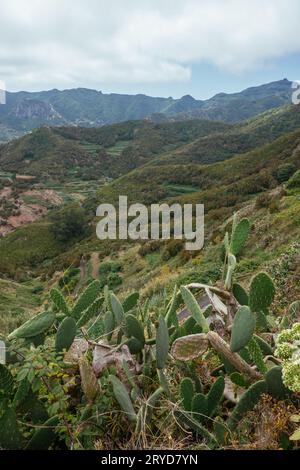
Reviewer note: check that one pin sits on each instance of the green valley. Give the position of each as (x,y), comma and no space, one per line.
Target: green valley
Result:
(188,349)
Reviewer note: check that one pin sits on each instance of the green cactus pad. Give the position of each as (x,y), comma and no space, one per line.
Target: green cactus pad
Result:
(162,343)
(276,387)
(131,302)
(187,392)
(134,345)
(10,436)
(117,309)
(194,308)
(267,350)
(65,334)
(200,407)
(35,326)
(109,322)
(240,294)
(257,355)
(59,301)
(221,431)
(262,293)
(171,316)
(294,309)
(215,395)
(123,398)
(91,293)
(243,329)
(240,236)
(91,312)
(247,402)
(45,436)
(134,328)
(22,392)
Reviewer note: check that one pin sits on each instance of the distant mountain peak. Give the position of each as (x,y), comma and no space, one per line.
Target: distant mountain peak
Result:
(187,98)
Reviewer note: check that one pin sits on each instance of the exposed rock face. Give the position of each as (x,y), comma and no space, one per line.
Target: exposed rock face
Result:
(35,109)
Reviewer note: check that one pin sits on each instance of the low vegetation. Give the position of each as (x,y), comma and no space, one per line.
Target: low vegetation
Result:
(82,371)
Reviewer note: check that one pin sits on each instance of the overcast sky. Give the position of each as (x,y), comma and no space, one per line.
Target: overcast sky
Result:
(158,47)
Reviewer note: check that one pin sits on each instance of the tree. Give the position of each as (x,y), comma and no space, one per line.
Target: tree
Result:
(70,224)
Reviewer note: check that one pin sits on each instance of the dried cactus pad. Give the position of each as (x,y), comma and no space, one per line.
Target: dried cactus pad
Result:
(190,347)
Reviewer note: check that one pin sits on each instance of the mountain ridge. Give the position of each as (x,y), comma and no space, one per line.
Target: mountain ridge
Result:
(25,111)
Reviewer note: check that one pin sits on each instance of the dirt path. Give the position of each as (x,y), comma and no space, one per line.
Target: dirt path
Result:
(95,265)
(83,274)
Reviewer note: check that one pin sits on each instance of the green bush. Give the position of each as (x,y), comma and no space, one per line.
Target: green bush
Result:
(294,181)
(70,224)
(285,171)
(110,267)
(172,248)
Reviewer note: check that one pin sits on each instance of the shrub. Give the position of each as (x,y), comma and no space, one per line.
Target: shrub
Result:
(172,248)
(263,200)
(294,181)
(149,247)
(69,224)
(110,267)
(114,280)
(285,171)
(70,277)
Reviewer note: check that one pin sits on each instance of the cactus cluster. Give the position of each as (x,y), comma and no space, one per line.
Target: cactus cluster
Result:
(200,405)
(151,361)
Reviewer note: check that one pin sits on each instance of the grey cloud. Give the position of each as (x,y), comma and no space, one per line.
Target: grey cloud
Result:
(65,43)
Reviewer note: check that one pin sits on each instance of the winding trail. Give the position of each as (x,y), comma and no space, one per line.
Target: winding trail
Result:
(95,265)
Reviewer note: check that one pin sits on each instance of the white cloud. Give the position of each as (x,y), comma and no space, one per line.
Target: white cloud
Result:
(67,43)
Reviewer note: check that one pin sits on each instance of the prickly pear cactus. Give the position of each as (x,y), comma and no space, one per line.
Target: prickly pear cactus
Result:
(240,294)
(35,326)
(243,329)
(187,392)
(247,402)
(188,348)
(117,309)
(91,293)
(262,293)
(92,311)
(65,334)
(239,236)
(59,301)
(215,395)
(134,328)
(123,398)
(45,436)
(131,302)
(194,308)
(162,343)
